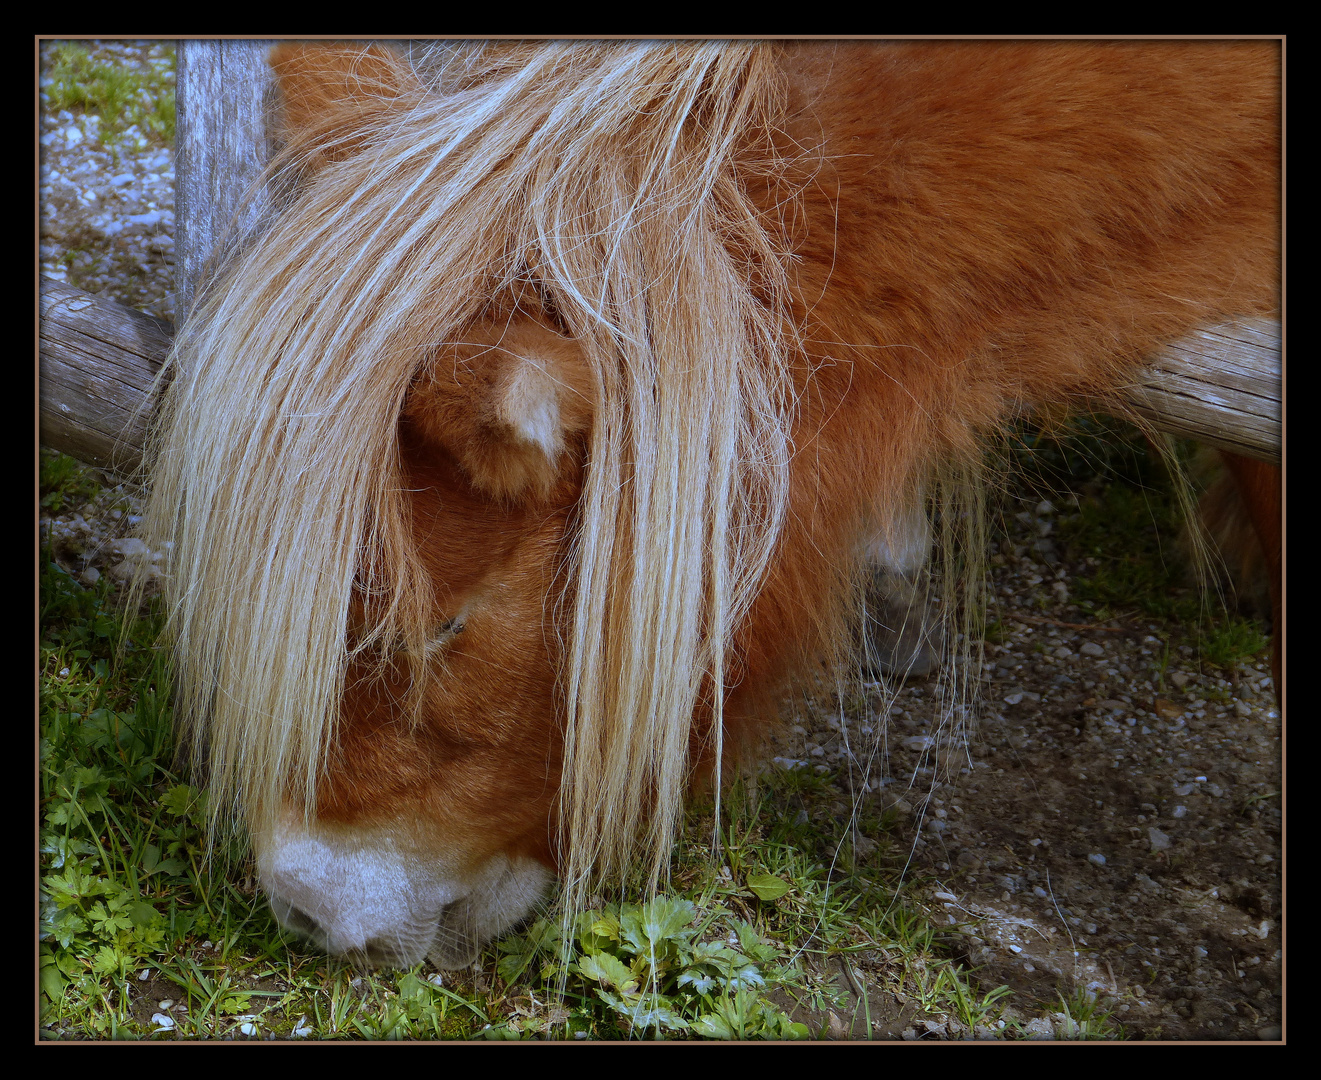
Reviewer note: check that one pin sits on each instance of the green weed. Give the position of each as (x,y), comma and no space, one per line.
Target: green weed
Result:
(657,969)
(74,78)
(1084,1017)
(1232,641)
(62,482)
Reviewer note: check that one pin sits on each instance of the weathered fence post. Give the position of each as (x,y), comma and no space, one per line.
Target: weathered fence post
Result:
(221,147)
(1222,385)
(98,358)
(98,361)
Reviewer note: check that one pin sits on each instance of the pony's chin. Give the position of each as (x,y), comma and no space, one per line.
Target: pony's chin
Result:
(378,900)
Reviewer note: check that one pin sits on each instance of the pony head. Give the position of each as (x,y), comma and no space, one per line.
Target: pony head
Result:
(456,565)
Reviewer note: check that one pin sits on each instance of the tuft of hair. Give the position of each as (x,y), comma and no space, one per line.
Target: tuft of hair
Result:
(411,197)
(1239,561)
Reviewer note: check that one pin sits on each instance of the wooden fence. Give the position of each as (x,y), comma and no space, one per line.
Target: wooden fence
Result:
(98,359)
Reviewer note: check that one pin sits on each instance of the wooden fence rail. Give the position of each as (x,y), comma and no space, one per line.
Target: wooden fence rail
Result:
(98,362)
(99,359)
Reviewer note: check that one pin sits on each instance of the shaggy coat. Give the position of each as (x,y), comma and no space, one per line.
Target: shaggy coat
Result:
(550,424)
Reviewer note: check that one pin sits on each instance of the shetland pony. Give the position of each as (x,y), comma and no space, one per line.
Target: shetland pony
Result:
(555,417)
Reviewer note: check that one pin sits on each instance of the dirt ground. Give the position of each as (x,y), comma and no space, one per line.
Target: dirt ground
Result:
(1110,821)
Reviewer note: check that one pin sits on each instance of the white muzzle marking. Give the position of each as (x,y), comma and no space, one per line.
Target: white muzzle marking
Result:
(381,902)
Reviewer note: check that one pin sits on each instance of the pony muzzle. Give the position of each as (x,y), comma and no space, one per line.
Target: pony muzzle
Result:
(378,899)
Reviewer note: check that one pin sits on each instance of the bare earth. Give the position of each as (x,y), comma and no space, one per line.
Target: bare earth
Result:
(1096,828)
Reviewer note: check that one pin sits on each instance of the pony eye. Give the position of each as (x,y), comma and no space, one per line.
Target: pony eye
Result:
(446,630)
(443,633)
(548,305)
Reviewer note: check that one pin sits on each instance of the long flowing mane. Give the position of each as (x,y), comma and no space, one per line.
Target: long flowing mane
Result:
(606,175)
(628,361)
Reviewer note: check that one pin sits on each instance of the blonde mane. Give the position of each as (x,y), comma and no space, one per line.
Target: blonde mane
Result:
(607,174)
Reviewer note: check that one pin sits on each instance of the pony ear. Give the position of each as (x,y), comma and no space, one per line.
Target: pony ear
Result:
(507,403)
(331,95)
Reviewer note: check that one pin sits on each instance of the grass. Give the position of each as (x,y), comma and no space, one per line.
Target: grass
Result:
(75,78)
(145,937)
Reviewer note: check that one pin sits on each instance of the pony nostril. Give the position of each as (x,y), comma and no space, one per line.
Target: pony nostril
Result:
(299,921)
(376,952)
(379,953)
(455,945)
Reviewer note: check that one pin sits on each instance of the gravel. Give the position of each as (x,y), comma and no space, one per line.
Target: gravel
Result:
(1092,826)
(107,211)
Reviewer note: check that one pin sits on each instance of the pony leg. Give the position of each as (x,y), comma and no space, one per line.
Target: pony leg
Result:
(1259,487)
(901,632)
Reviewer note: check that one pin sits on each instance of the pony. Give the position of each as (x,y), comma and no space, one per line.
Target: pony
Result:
(563,406)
